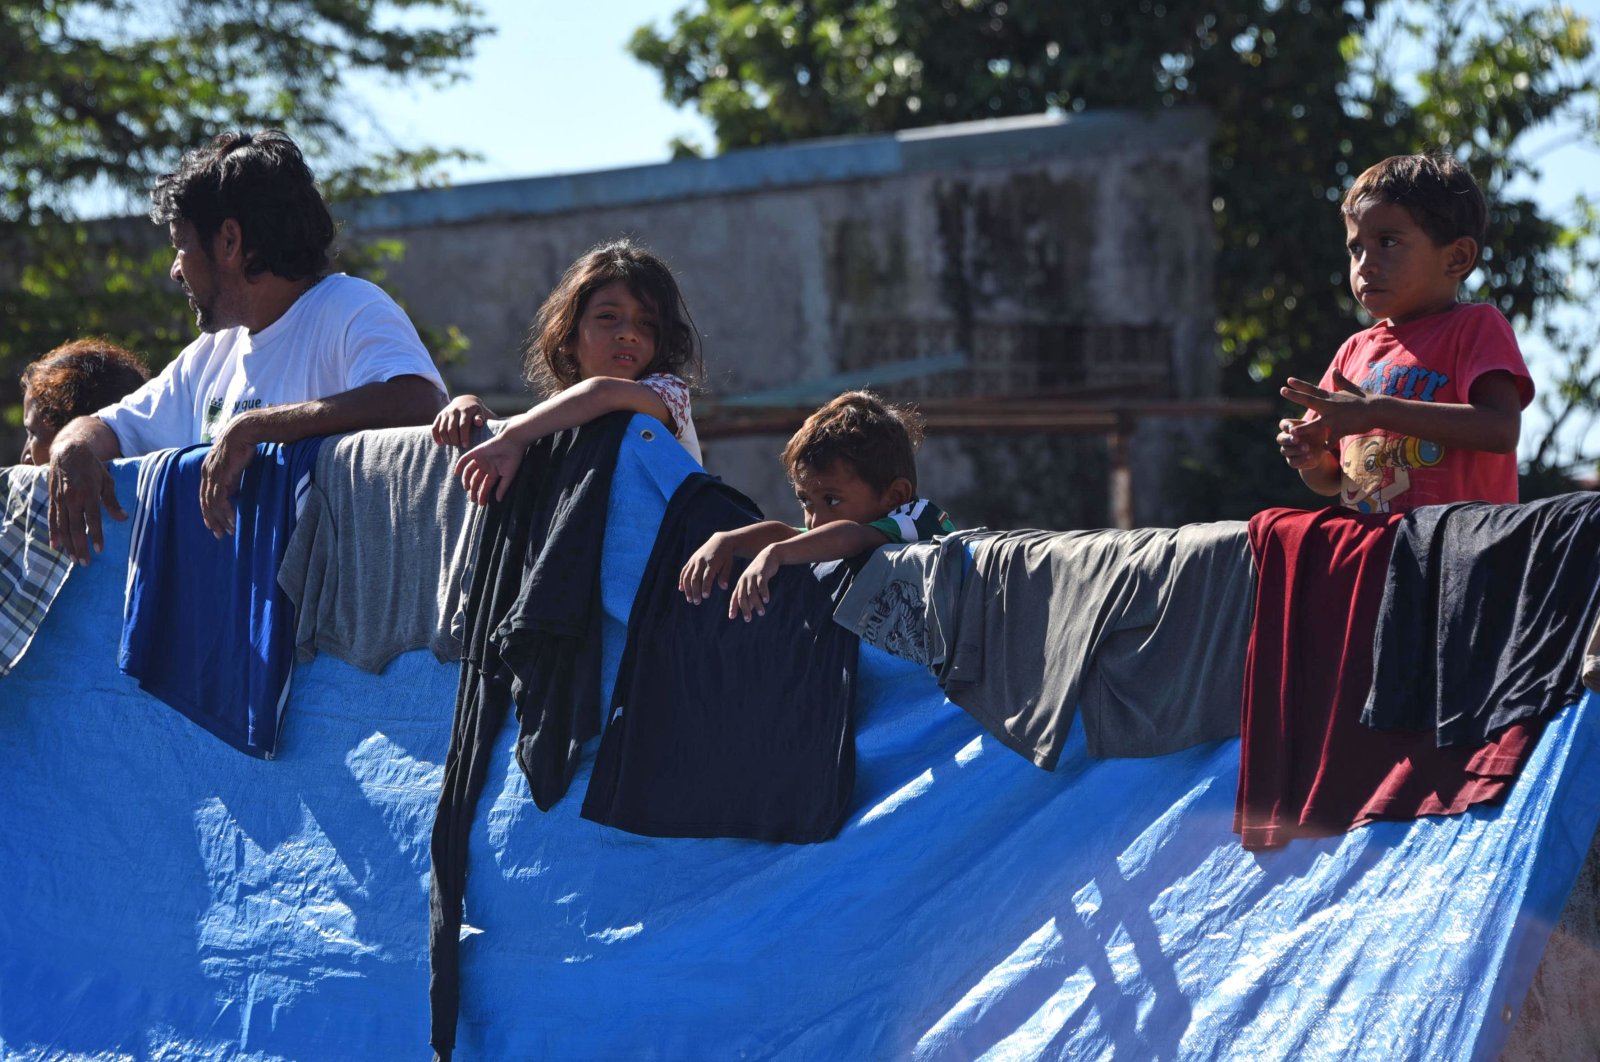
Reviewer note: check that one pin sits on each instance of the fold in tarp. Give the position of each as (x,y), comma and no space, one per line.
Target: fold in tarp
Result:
(164,896)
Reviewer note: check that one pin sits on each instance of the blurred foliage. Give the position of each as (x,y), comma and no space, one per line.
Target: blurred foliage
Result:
(98,97)
(1573,404)
(1306,95)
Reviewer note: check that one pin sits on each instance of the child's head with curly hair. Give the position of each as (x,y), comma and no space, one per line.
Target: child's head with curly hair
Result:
(854,459)
(73,380)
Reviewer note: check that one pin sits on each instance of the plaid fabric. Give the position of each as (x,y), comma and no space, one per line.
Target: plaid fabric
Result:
(30,571)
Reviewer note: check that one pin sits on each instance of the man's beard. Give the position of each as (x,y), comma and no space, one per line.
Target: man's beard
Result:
(205,317)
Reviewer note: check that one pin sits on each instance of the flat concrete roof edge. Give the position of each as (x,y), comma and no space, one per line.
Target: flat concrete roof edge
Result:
(977,144)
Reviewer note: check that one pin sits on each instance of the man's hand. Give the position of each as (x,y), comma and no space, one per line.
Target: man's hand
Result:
(399,402)
(1346,410)
(754,589)
(221,472)
(709,566)
(457,421)
(79,485)
(487,469)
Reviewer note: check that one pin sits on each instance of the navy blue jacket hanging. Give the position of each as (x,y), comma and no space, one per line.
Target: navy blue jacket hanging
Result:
(1486,611)
(722,728)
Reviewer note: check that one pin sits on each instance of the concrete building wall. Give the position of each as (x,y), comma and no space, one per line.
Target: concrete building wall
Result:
(1060,255)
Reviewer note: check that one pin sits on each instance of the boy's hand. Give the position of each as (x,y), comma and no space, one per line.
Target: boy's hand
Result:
(709,566)
(1342,411)
(488,467)
(456,422)
(755,586)
(1302,442)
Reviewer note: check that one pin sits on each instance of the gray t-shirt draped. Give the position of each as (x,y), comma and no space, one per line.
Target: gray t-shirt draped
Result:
(904,599)
(376,563)
(1142,631)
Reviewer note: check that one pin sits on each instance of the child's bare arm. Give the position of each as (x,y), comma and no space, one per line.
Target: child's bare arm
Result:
(583,402)
(487,468)
(1490,420)
(835,541)
(712,561)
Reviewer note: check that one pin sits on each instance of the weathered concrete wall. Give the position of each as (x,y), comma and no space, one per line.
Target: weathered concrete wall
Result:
(1060,255)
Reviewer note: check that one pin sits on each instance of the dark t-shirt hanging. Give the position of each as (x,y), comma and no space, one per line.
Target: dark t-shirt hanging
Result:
(1485,615)
(721,728)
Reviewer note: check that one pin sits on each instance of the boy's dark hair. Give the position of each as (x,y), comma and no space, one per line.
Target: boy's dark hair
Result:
(550,363)
(878,441)
(79,377)
(1436,190)
(261,181)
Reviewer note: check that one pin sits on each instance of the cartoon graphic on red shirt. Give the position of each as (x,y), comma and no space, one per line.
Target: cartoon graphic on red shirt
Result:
(1377,468)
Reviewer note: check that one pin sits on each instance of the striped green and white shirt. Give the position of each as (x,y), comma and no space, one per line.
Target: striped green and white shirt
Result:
(918,520)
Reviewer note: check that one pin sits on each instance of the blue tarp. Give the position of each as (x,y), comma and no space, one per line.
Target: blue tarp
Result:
(164,896)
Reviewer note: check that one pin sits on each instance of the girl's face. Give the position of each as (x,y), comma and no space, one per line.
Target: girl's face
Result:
(616,334)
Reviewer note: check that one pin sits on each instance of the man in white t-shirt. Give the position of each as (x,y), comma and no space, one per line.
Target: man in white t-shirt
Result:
(286,351)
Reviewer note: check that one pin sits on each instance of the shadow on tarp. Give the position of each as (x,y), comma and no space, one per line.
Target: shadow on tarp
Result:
(165,895)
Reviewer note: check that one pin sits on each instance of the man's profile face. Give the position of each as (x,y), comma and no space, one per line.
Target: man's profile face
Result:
(195,270)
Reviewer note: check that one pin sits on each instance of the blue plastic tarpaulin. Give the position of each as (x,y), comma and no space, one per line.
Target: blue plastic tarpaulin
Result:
(165,896)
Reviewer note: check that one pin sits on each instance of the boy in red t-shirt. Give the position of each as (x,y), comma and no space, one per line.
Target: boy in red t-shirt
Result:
(1426,405)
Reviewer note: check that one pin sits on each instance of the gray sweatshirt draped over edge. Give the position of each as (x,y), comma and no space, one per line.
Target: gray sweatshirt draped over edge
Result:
(1142,631)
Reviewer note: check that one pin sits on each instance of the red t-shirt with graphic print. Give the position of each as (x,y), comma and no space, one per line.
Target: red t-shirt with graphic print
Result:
(1431,359)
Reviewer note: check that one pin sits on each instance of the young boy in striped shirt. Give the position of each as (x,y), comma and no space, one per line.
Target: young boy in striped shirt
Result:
(853,466)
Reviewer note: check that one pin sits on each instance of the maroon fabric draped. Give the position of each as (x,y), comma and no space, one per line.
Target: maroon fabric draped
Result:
(1308,767)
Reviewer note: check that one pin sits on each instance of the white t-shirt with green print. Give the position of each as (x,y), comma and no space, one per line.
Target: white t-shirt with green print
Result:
(342,333)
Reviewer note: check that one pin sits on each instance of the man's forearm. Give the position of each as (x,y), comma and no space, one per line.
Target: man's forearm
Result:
(90,432)
(401,402)
(80,485)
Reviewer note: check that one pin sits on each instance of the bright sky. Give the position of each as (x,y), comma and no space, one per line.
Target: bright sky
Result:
(554,91)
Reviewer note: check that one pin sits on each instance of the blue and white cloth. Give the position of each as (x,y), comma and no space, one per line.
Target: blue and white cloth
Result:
(205,625)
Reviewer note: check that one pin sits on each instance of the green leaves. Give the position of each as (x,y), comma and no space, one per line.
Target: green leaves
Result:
(98,97)
(108,93)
